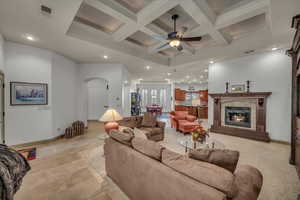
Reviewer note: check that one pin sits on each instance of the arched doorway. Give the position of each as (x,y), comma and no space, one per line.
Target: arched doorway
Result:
(97,98)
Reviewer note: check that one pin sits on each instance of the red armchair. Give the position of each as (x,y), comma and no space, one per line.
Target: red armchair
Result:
(183,122)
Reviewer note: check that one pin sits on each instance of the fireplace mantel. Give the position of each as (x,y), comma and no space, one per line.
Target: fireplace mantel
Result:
(246,94)
(259,132)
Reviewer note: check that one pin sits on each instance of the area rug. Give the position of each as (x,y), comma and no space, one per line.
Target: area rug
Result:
(29,153)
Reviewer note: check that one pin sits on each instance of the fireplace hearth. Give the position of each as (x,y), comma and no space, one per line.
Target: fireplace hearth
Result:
(238,116)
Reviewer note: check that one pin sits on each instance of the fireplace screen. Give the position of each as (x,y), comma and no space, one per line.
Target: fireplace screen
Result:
(238,116)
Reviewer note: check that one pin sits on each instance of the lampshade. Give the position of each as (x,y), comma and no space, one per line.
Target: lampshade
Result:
(110,115)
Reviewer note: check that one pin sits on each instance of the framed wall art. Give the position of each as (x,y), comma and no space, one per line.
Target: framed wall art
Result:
(237,88)
(22,93)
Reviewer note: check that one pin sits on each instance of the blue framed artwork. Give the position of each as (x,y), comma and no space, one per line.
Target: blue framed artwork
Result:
(22,93)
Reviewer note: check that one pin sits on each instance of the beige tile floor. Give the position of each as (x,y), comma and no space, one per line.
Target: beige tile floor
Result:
(74,169)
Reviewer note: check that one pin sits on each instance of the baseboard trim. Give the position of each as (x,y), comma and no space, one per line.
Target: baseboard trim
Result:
(35,143)
(280,142)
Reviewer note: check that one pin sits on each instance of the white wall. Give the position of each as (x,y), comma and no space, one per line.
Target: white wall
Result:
(268,72)
(126,96)
(64,93)
(197,86)
(33,123)
(1,53)
(110,72)
(27,123)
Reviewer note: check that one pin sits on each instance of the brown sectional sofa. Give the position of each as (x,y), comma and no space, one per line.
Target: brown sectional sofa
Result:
(156,133)
(144,170)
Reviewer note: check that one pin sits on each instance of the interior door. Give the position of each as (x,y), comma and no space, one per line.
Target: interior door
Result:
(2,135)
(297,145)
(97,99)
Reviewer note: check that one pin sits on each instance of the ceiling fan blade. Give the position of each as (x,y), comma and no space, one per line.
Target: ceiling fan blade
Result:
(159,37)
(172,35)
(190,39)
(162,46)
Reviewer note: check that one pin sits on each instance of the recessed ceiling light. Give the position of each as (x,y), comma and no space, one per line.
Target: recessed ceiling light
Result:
(105,57)
(169,74)
(274,48)
(140,79)
(211,62)
(206,70)
(201,76)
(148,67)
(30,37)
(187,76)
(125,82)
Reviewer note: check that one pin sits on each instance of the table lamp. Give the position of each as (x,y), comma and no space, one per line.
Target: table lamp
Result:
(110,117)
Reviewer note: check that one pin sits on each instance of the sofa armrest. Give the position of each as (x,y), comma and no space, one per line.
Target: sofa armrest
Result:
(249,182)
(191,118)
(161,124)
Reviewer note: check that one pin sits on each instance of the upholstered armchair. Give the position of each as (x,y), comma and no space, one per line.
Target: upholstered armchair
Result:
(183,122)
(155,133)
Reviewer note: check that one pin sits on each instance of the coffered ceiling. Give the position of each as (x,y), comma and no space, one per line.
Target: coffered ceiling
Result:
(127,30)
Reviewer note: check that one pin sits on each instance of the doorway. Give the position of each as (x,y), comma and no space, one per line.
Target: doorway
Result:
(97,98)
(2,124)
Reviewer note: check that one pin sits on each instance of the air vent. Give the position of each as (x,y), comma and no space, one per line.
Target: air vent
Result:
(249,51)
(46,10)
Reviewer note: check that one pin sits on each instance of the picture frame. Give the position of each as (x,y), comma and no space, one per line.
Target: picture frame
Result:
(23,93)
(238,88)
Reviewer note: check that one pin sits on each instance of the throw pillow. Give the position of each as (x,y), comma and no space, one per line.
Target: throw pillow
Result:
(149,120)
(226,159)
(124,138)
(148,147)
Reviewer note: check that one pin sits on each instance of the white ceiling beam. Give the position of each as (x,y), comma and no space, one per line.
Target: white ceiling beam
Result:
(244,11)
(205,17)
(154,10)
(119,12)
(157,30)
(112,9)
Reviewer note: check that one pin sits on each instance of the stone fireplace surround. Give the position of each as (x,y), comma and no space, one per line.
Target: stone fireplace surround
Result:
(256,101)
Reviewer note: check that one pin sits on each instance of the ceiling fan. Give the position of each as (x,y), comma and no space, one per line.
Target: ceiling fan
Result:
(175,38)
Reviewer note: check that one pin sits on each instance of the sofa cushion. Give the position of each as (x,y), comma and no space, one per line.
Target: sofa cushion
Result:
(128,130)
(249,182)
(128,122)
(140,133)
(148,147)
(139,120)
(122,137)
(226,159)
(191,118)
(152,131)
(203,172)
(149,120)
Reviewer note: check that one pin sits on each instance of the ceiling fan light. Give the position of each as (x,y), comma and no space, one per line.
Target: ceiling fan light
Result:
(175,43)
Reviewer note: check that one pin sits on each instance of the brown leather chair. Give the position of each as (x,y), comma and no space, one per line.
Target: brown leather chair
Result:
(156,133)
(183,122)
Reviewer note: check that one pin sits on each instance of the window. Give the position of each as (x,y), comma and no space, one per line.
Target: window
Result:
(154,99)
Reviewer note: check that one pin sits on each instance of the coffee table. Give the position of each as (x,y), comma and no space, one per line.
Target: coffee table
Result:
(210,143)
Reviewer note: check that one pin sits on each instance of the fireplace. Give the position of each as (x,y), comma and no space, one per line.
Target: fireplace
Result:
(238,116)
(241,114)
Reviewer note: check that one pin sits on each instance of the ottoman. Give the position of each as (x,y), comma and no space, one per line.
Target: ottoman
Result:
(187,126)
